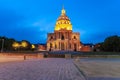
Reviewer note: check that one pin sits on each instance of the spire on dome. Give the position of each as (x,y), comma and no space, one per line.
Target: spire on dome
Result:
(63,12)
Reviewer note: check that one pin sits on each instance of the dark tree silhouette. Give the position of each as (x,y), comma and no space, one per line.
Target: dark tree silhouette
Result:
(8,42)
(112,43)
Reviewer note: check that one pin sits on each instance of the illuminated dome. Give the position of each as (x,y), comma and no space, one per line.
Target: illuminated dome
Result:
(63,22)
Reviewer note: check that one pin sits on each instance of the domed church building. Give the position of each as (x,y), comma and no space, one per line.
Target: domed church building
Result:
(63,37)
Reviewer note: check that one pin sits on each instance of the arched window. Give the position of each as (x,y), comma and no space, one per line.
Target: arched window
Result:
(62,38)
(65,22)
(75,47)
(50,47)
(51,37)
(75,37)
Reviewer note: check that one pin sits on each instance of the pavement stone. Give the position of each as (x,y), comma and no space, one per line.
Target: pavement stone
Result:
(40,69)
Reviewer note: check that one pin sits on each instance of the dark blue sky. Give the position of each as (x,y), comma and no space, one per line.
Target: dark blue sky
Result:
(32,19)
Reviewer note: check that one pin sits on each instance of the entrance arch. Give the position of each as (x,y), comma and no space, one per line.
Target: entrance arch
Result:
(75,47)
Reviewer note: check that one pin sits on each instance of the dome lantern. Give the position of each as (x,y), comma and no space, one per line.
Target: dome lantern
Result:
(63,12)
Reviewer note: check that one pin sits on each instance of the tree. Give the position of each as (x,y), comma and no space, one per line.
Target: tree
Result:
(98,47)
(25,45)
(7,43)
(15,45)
(112,43)
(11,44)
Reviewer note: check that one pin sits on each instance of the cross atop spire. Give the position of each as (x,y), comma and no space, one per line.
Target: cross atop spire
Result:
(63,12)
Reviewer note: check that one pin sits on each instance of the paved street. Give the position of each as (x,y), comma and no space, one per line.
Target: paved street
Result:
(41,69)
(100,68)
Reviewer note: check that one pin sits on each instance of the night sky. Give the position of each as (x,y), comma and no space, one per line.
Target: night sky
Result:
(32,19)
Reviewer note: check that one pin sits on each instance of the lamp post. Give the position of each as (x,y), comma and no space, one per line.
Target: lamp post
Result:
(2,45)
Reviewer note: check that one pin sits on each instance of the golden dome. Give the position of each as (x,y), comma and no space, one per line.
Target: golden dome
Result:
(63,22)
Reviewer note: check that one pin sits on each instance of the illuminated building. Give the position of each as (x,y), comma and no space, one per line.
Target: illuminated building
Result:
(63,37)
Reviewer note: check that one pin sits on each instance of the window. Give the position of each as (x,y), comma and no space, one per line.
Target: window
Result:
(75,47)
(51,37)
(62,38)
(75,38)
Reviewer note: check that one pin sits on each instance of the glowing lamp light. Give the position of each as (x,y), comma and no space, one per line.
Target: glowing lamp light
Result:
(15,45)
(33,46)
(24,44)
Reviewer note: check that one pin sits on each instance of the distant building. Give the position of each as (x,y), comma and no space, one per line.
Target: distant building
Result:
(86,47)
(41,47)
(63,37)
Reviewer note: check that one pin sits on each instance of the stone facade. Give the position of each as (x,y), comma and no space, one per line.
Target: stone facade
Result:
(63,37)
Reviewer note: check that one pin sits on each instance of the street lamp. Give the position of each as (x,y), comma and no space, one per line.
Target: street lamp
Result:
(2,45)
